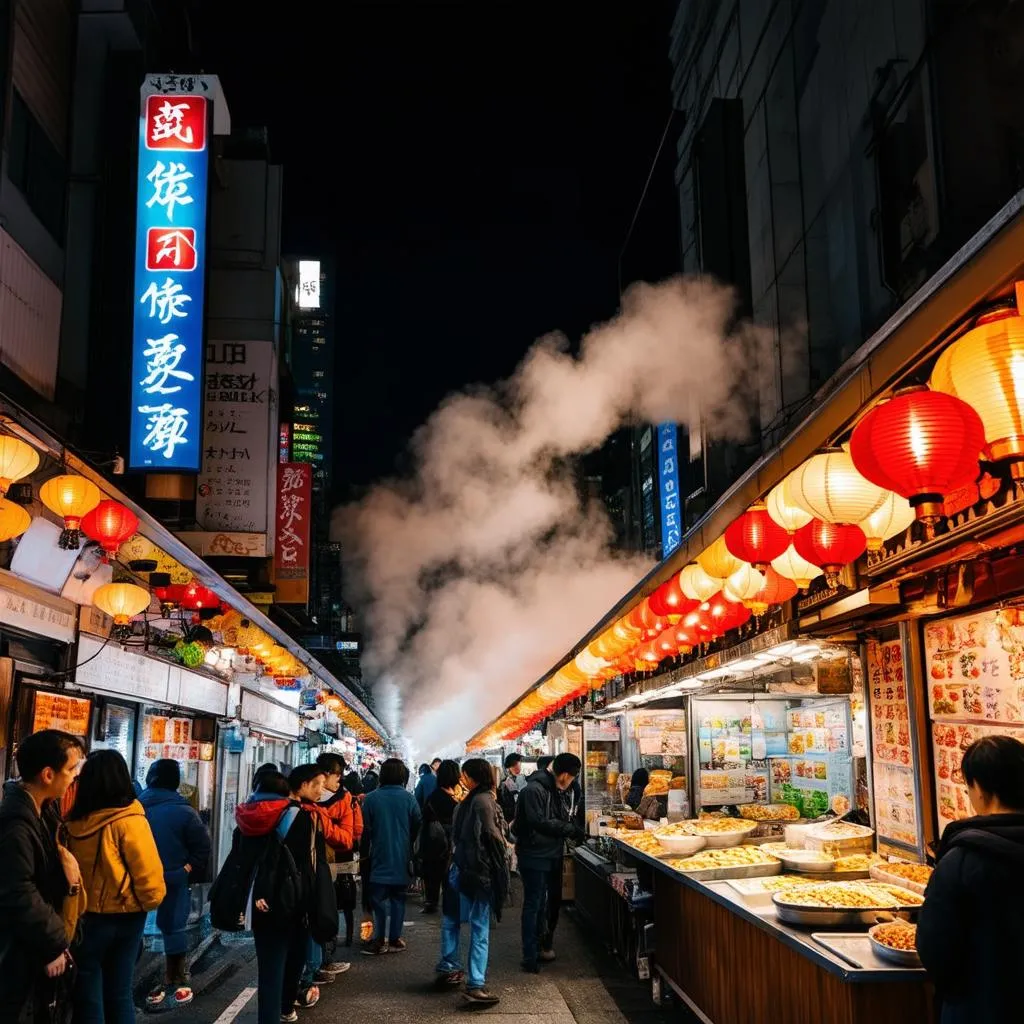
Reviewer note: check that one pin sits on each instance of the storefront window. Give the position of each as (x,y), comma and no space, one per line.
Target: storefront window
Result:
(114,729)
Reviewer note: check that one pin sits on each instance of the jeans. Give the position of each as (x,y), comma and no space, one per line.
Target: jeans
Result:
(316,956)
(540,906)
(172,917)
(478,913)
(106,956)
(280,955)
(387,900)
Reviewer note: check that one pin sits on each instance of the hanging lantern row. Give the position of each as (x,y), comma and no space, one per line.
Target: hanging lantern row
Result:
(914,457)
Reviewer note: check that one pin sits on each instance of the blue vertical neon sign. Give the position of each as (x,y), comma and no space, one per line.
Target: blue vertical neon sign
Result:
(668,488)
(170,240)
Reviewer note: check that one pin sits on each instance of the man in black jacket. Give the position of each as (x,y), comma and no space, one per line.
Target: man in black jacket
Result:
(542,826)
(970,933)
(33,884)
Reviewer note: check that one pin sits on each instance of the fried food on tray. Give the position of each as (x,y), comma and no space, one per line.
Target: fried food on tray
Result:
(919,873)
(715,826)
(849,896)
(857,862)
(769,812)
(781,882)
(732,857)
(897,935)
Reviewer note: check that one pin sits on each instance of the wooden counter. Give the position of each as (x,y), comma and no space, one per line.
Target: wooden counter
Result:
(733,965)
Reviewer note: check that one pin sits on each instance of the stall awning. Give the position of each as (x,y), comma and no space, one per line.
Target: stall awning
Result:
(208,577)
(981,271)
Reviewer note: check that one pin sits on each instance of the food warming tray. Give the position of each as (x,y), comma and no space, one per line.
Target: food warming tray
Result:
(832,917)
(741,871)
(903,957)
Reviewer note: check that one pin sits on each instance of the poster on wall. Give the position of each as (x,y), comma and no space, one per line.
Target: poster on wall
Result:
(58,711)
(975,672)
(891,746)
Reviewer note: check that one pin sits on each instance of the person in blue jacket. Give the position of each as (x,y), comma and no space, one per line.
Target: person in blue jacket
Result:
(184,847)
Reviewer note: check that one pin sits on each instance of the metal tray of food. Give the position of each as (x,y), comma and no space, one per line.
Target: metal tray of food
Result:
(726,873)
(838,917)
(903,957)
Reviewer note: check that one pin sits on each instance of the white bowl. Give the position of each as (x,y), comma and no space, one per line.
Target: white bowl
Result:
(682,844)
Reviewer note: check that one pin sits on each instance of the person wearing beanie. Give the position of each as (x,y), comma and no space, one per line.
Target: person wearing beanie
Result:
(184,847)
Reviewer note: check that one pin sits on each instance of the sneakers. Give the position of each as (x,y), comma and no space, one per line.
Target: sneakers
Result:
(323,977)
(480,997)
(333,967)
(374,949)
(289,1018)
(547,955)
(183,995)
(450,979)
(397,946)
(308,999)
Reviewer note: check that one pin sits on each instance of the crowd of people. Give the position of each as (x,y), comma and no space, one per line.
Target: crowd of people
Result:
(85,855)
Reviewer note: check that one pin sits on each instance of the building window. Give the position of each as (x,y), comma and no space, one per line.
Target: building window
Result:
(36,168)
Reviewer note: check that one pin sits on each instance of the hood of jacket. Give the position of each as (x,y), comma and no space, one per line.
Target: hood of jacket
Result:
(545,780)
(259,815)
(998,836)
(155,797)
(82,828)
(18,804)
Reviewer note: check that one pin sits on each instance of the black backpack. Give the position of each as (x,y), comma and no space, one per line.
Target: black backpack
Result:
(264,866)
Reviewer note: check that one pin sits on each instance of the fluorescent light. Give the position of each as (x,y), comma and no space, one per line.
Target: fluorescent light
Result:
(692,683)
(747,665)
(715,673)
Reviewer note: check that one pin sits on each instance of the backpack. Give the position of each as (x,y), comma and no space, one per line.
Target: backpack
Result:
(508,798)
(263,867)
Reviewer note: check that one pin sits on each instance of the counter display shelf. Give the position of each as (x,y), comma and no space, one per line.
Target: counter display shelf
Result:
(735,963)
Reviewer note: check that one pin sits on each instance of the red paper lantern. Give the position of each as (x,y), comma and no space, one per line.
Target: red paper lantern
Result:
(652,623)
(727,614)
(195,597)
(756,538)
(775,590)
(685,639)
(110,524)
(830,546)
(648,655)
(669,599)
(922,444)
(170,597)
(666,644)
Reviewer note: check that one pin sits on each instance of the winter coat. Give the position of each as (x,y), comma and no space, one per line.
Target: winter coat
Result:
(391,820)
(121,868)
(436,837)
(970,933)
(542,822)
(181,837)
(425,787)
(337,820)
(508,796)
(32,886)
(480,851)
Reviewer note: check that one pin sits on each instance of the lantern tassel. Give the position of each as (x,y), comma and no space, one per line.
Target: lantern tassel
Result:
(70,539)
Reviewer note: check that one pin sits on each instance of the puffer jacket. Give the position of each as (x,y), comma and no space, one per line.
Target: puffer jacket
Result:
(542,822)
(121,868)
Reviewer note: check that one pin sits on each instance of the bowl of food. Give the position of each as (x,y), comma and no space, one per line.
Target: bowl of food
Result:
(681,844)
(896,941)
(720,832)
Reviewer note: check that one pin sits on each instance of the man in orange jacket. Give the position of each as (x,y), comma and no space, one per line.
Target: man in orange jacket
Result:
(337,815)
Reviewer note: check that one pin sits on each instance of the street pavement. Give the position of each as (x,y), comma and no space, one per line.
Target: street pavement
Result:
(584,985)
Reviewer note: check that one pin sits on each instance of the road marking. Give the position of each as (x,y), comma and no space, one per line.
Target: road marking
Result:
(236,1007)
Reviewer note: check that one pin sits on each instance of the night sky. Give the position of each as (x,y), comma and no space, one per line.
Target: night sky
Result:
(474,168)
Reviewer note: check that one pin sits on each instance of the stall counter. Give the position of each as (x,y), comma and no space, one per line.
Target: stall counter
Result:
(735,965)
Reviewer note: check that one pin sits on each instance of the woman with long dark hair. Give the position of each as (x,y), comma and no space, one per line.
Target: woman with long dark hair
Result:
(124,878)
(477,883)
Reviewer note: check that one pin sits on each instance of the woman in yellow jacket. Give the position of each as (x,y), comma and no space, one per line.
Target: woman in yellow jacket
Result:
(108,833)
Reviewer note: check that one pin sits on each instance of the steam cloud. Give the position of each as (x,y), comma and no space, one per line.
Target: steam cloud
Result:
(480,571)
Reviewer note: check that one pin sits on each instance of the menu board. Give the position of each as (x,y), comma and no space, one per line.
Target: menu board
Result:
(734,740)
(58,711)
(892,763)
(975,666)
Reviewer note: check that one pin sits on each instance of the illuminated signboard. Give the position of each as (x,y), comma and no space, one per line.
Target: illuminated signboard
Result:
(284,443)
(668,481)
(170,242)
(309,284)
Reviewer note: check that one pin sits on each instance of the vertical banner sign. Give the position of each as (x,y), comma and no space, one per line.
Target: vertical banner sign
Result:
(232,488)
(170,242)
(291,536)
(668,489)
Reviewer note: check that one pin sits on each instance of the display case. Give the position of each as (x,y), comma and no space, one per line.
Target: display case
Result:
(602,758)
(658,742)
(793,750)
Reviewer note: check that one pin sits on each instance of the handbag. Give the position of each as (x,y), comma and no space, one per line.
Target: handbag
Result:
(345,892)
(77,899)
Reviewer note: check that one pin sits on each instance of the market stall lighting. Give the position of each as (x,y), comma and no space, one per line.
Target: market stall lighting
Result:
(122,602)
(985,368)
(784,511)
(669,600)
(71,497)
(746,665)
(697,584)
(795,567)
(776,589)
(17,461)
(14,520)
(744,584)
(718,561)
(895,516)
(110,524)
(830,487)
(830,546)
(922,444)
(756,538)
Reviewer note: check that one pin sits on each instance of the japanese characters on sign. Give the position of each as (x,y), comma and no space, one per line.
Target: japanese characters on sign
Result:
(232,488)
(167,344)
(309,284)
(668,488)
(292,532)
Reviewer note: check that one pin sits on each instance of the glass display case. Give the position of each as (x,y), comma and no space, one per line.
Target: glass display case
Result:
(602,758)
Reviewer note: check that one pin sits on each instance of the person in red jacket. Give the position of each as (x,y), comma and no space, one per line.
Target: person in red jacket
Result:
(335,811)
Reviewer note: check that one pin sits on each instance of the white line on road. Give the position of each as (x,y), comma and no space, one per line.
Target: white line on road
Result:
(236,1007)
